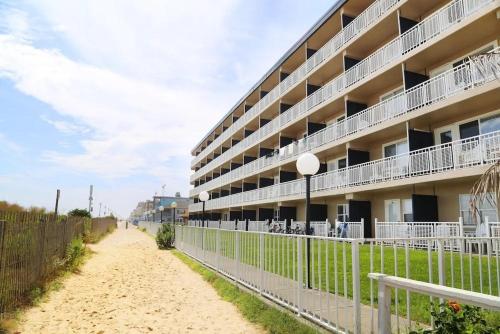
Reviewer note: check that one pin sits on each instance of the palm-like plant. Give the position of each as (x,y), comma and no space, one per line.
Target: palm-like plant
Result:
(487,188)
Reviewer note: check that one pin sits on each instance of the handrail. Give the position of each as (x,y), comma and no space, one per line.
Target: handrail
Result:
(386,282)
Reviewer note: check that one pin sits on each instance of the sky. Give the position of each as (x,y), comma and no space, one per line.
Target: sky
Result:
(117,93)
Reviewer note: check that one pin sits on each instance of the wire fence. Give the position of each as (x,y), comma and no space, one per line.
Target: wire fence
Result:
(33,247)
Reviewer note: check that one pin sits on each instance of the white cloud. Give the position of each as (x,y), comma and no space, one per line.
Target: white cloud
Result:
(9,146)
(139,82)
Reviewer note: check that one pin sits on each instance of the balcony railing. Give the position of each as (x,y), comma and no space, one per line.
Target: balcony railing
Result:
(426,30)
(436,89)
(354,28)
(461,154)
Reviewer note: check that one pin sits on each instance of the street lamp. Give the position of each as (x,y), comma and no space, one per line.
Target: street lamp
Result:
(203,197)
(161,208)
(308,165)
(173,205)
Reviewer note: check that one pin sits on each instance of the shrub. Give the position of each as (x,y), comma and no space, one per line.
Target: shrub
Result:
(452,317)
(165,237)
(74,254)
(79,213)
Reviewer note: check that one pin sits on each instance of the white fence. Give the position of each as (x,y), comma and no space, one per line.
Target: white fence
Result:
(151,227)
(326,286)
(387,283)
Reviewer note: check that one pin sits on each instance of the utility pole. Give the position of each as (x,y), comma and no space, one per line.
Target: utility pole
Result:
(58,194)
(91,199)
(100,204)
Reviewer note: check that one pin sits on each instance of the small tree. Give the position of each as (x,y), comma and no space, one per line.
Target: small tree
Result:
(79,213)
(165,237)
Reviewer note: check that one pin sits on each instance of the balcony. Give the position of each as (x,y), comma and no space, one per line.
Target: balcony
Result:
(394,51)
(458,155)
(450,83)
(364,20)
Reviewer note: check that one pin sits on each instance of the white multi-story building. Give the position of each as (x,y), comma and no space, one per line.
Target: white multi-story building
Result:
(399,99)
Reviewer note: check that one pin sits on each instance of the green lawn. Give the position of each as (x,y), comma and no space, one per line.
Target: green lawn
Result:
(335,259)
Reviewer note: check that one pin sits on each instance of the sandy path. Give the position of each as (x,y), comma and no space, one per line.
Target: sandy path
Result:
(129,286)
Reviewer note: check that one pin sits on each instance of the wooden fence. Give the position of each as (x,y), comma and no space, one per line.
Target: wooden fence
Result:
(101,226)
(33,247)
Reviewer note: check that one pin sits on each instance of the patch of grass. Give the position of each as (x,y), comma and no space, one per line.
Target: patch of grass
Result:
(76,255)
(252,308)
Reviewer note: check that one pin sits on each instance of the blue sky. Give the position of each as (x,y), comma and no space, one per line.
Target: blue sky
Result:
(117,93)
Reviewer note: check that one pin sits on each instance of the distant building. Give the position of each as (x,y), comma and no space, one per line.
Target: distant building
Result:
(150,209)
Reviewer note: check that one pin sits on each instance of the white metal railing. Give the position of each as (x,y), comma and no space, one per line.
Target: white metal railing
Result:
(460,154)
(418,229)
(427,29)
(351,230)
(326,286)
(452,82)
(367,18)
(386,283)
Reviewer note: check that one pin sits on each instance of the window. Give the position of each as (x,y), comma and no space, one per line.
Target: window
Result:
(392,210)
(490,124)
(343,212)
(446,137)
(336,164)
(487,208)
(407,210)
(469,129)
(395,149)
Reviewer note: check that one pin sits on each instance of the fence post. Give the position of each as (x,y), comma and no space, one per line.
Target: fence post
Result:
(384,307)
(356,291)
(3,228)
(237,255)
(327,224)
(300,279)
(261,261)
(441,264)
(218,248)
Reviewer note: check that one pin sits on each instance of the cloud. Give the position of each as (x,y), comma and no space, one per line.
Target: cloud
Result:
(139,83)
(66,127)
(9,146)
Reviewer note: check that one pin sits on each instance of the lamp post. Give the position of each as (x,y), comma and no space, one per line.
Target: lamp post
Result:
(161,208)
(203,197)
(308,165)
(173,205)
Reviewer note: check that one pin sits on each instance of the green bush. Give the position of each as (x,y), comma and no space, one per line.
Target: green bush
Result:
(165,236)
(451,317)
(74,254)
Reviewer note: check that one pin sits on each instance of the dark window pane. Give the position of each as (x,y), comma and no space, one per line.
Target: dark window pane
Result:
(468,130)
(446,137)
(390,151)
(342,163)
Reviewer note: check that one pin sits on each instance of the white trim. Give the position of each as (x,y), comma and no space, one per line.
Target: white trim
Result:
(455,127)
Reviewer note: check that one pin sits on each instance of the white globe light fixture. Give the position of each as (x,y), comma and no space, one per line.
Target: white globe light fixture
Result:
(308,165)
(173,205)
(203,197)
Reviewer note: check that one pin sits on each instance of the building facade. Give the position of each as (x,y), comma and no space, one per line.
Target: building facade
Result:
(400,101)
